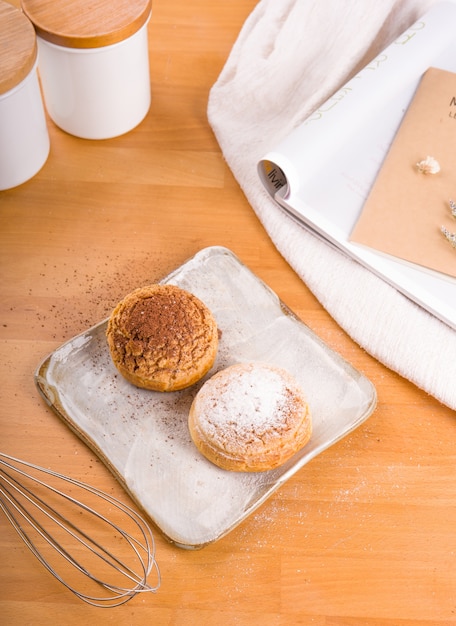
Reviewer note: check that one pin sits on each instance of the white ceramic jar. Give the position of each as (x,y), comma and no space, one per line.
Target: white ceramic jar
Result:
(93,63)
(24,137)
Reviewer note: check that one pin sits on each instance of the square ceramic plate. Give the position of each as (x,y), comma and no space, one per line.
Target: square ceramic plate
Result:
(142,436)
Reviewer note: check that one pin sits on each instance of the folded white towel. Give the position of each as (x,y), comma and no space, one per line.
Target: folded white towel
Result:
(290,56)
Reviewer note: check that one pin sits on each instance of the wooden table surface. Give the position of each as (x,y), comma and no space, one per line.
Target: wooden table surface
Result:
(363,534)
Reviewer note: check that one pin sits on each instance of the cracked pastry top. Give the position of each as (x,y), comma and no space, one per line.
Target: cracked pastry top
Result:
(162,337)
(250,417)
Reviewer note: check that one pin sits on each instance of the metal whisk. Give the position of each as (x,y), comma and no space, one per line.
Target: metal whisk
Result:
(68,535)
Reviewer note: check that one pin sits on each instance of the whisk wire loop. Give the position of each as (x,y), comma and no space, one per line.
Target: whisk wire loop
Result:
(17,500)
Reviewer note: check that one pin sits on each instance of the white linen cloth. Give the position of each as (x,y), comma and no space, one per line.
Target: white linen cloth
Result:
(290,56)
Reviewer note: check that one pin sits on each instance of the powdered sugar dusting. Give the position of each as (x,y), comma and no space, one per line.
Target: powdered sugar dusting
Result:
(252,405)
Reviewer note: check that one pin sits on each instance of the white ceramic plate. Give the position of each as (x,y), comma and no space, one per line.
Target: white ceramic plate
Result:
(142,436)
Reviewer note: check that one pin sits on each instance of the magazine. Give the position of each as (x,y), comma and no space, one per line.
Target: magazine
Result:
(412,197)
(323,172)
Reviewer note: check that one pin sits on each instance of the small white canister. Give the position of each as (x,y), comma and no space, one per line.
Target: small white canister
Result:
(24,137)
(93,63)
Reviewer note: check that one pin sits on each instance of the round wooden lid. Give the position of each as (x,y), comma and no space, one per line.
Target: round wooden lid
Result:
(86,23)
(17,47)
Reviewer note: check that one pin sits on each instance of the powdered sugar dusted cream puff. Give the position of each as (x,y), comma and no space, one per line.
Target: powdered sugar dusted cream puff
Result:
(250,417)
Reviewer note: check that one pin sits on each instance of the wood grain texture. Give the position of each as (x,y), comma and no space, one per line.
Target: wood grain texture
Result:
(82,24)
(365,534)
(18,48)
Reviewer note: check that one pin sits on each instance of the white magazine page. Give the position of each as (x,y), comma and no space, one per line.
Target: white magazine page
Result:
(323,172)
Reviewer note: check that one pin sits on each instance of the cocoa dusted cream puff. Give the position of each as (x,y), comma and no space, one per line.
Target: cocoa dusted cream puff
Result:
(250,417)
(162,337)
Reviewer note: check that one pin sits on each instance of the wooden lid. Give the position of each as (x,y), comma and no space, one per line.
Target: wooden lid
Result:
(86,23)
(17,47)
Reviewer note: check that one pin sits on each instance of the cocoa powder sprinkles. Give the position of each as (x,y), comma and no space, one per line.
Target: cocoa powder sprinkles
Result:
(162,337)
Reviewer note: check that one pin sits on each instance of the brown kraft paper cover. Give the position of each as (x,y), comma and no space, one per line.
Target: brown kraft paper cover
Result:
(406,207)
